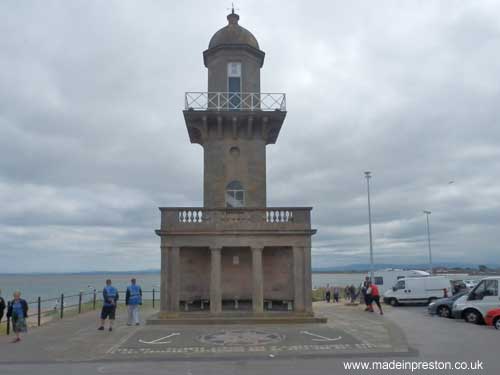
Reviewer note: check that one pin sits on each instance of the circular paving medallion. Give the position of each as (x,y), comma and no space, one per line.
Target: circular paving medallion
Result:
(239,337)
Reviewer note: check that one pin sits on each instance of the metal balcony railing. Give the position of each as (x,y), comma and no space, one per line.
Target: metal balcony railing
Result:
(235,101)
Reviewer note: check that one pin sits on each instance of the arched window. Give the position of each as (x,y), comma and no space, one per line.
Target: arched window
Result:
(235,194)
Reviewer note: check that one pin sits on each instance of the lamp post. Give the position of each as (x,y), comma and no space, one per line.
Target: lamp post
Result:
(427,213)
(368,176)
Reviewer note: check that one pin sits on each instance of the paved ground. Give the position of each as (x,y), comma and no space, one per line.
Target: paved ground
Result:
(444,339)
(74,346)
(350,331)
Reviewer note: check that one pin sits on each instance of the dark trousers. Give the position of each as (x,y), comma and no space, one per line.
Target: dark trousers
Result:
(376,299)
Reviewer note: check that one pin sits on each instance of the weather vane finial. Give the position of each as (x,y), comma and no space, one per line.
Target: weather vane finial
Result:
(232,8)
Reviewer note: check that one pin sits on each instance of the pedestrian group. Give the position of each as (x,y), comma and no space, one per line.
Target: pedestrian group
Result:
(17,308)
(371,294)
(110,296)
(368,290)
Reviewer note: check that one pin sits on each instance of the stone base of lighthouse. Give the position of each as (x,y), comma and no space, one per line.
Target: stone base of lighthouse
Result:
(257,273)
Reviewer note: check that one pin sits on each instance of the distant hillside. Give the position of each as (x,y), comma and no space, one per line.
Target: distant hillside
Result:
(366,267)
(149,271)
(359,267)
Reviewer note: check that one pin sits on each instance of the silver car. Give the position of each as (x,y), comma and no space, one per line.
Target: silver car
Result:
(443,306)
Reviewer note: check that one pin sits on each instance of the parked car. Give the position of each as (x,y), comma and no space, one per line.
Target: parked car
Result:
(474,306)
(418,290)
(443,306)
(492,318)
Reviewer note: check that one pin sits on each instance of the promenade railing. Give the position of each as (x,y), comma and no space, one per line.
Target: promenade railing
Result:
(66,305)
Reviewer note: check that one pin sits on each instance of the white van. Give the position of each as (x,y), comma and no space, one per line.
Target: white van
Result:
(418,290)
(385,279)
(474,306)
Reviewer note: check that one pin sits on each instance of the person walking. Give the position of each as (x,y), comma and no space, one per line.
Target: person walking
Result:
(110,297)
(336,293)
(327,295)
(18,313)
(133,299)
(375,296)
(2,306)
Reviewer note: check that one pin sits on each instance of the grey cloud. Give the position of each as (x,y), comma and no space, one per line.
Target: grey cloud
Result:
(92,137)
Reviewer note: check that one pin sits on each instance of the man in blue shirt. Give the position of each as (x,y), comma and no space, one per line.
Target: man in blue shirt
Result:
(133,299)
(110,297)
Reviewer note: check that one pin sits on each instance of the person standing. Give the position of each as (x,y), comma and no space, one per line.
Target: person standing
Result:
(352,293)
(18,312)
(110,297)
(347,293)
(366,293)
(133,299)
(2,306)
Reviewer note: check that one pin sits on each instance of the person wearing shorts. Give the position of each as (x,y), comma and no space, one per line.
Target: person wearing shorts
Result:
(110,297)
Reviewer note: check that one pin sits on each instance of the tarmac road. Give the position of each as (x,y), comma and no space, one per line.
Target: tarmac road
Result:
(431,338)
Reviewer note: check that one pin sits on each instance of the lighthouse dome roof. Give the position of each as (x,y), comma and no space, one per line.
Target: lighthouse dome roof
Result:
(233,34)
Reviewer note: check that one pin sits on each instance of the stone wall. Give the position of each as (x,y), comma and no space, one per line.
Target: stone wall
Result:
(230,159)
(236,273)
(277,264)
(194,273)
(217,70)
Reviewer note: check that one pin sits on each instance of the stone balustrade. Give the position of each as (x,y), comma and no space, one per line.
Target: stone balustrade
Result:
(193,219)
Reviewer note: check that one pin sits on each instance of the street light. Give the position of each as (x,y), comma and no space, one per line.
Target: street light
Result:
(427,213)
(368,176)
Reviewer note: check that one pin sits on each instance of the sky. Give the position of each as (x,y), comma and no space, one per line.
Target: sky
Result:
(93,141)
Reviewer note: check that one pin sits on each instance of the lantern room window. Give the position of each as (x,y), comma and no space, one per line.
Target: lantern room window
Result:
(234,85)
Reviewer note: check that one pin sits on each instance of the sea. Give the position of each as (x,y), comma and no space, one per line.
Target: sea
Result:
(49,287)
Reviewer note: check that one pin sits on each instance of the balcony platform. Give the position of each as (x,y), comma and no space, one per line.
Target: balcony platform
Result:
(269,220)
(233,115)
(235,101)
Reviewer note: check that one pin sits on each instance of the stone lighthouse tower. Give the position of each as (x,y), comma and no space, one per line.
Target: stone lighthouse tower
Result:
(235,256)
(235,123)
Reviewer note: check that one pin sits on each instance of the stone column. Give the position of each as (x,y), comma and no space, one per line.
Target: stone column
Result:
(215,277)
(298,279)
(173,261)
(163,279)
(258,281)
(307,279)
